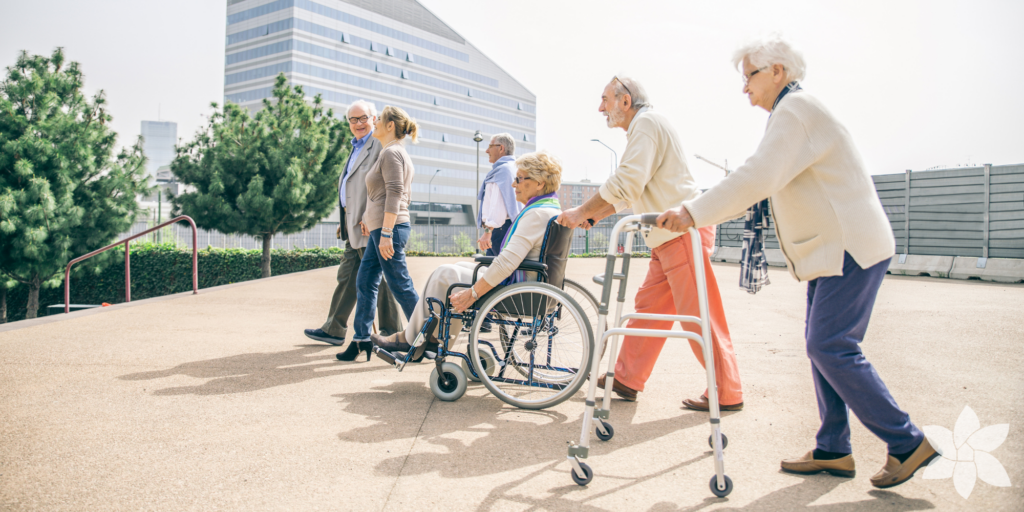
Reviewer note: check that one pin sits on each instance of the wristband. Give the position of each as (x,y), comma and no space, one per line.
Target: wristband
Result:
(386,235)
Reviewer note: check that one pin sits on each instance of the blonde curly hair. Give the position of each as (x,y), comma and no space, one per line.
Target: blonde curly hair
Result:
(543,168)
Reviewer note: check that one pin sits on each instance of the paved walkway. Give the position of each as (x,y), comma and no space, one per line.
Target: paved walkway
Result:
(218,402)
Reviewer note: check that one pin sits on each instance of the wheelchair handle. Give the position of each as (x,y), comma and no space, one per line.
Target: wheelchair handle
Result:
(649,219)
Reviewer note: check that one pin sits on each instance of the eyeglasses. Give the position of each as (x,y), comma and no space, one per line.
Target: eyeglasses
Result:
(492,145)
(629,92)
(518,179)
(746,78)
(358,120)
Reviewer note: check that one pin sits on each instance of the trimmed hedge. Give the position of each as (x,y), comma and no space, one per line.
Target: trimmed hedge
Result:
(163,269)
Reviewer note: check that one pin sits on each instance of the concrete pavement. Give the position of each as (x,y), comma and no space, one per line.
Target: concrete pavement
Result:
(218,402)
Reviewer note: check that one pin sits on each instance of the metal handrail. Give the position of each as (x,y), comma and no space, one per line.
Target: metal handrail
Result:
(127,261)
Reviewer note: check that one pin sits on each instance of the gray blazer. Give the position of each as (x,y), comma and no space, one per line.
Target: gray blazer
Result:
(355,193)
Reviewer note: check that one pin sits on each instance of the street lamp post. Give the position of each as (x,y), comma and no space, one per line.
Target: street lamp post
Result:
(430,208)
(613,153)
(477,138)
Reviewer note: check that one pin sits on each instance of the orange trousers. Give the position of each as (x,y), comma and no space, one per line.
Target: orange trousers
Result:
(671,289)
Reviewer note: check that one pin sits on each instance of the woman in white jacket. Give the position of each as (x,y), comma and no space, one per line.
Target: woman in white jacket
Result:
(835,235)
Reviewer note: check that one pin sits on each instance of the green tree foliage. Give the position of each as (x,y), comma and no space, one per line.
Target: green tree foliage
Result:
(273,172)
(62,193)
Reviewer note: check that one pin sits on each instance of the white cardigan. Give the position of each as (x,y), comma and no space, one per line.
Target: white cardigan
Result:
(823,199)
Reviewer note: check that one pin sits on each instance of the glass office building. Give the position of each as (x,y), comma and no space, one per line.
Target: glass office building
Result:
(158,140)
(388,52)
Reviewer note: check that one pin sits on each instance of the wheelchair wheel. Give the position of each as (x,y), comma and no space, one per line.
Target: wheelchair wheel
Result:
(587,301)
(544,343)
(487,365)
(452,386)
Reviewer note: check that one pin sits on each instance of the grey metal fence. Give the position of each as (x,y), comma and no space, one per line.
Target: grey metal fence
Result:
(973,212)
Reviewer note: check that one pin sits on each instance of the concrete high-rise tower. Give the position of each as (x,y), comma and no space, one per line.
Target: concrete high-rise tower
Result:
(388,52)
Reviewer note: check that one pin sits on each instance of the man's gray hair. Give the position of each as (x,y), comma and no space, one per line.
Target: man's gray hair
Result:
(370,108)
(773,50)
(637,93)
(505,139)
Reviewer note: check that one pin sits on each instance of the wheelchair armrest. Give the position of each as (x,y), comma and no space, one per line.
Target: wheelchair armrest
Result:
(533,266)
(484,260)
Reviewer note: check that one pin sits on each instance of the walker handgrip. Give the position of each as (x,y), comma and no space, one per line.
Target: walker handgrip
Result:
(649,219)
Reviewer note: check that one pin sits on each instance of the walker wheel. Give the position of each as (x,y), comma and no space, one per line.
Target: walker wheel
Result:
(711,441)
(588,475)
(608,427)
(714,486)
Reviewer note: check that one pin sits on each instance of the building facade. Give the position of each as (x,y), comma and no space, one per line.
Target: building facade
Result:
(388,52)
(158,140)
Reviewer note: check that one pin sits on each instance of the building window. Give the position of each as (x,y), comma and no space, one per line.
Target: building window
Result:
(519,106)
(405,74)
(390,52)
(346,38)
(444,137)
(526,138)
(374,47)
(408,57)
(469,93)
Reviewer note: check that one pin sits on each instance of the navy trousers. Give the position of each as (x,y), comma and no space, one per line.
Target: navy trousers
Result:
(838,311)
(497,236)
(371,268)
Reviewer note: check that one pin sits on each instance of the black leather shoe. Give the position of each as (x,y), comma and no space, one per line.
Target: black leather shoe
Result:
(321,335)
(353,350)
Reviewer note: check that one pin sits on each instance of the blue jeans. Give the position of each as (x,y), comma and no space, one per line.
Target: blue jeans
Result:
(838,310)
(368,280)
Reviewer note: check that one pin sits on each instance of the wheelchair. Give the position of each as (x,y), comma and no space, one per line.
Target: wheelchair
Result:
(530,343)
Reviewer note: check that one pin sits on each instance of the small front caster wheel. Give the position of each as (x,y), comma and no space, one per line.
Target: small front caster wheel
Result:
(711,441)
(723,492)
(588,475)
(487,364)
(451,385)
(608,427)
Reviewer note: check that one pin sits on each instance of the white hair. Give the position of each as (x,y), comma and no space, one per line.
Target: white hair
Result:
(505,139)
(370,108)
(622,84)
(773,50)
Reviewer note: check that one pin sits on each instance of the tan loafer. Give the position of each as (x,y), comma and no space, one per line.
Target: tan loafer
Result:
(702,404)
(808,465)
(894,472)
(623,391)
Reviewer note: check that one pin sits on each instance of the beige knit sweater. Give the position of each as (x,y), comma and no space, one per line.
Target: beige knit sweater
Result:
(823,199)
(389,187)
(653,176)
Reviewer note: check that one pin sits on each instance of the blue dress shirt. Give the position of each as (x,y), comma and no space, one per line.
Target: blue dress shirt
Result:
(357,147)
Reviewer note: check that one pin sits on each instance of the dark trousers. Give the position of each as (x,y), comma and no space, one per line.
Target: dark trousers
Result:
(344,299)
(838,310)
(497,236)
(394,269)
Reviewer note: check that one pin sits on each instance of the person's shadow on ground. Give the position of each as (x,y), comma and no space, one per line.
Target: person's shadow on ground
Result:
(251,372)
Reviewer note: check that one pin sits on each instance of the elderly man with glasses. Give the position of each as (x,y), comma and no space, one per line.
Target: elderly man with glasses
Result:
(498,205)
(653,177)
(352,201)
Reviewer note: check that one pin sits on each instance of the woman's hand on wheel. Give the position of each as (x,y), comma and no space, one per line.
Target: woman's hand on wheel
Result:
(462,300)
(386,248)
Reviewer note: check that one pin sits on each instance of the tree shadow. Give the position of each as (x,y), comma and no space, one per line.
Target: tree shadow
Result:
(252,372)
(482,433)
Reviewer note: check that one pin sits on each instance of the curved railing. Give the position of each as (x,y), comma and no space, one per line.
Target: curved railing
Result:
(127,261)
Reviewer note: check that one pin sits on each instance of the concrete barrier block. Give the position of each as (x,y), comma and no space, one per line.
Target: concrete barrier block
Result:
(918,265)
(775,257)
(999,270)
(728,254)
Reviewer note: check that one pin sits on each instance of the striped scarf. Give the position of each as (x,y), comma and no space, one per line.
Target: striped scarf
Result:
(544,201)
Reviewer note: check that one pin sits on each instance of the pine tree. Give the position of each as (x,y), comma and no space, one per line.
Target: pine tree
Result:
(62,193)
(273,172)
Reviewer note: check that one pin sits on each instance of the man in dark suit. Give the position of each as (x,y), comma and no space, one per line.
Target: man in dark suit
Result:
(352,199)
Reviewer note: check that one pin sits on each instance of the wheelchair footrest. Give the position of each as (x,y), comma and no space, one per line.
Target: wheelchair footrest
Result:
(385,355)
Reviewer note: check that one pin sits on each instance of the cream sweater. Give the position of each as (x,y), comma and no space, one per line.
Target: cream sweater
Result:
(653,176)
(823,199)
(524,245)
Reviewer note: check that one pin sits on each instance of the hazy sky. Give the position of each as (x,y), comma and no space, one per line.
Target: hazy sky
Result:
(918,83)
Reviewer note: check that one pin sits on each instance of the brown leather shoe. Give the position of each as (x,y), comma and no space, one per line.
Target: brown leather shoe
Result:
(701,404)
(625,392)
(807,465)
(895,472)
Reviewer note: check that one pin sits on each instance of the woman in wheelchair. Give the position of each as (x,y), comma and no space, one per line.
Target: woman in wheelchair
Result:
(538,177)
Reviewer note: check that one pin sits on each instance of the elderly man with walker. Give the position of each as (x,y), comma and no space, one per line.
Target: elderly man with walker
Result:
(653,177)
(835,235)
